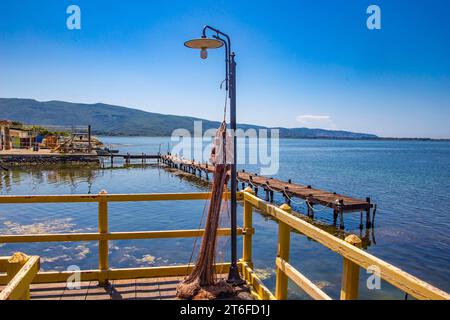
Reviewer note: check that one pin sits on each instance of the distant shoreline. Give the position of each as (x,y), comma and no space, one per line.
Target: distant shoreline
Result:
(302,138)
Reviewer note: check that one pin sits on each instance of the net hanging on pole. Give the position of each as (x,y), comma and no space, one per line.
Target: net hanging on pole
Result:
(202,283)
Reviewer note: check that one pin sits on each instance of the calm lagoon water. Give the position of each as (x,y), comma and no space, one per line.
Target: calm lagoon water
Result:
(409,181)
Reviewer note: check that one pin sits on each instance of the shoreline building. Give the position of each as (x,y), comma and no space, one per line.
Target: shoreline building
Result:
(5,137)
(14,137)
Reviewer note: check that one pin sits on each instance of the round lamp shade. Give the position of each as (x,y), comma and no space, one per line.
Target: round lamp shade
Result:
(203,43)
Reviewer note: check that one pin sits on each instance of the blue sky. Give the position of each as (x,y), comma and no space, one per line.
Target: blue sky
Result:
(300,63)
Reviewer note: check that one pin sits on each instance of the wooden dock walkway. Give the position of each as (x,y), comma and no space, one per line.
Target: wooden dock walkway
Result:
(160,288)
(127,157)
(47,157)
(128,289)
(339,203)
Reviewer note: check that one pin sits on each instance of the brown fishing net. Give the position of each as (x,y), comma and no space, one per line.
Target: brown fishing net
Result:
(202,282)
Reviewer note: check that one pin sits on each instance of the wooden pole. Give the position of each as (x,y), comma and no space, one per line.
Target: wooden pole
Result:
(361,221)
(335,215)
(284,237)
(368,222)
(248,228)
(350,273)
(15,263)
(89,139)
(341,214)
(103,244)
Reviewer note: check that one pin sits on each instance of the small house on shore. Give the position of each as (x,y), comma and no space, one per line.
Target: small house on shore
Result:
(15,137)
(5,138)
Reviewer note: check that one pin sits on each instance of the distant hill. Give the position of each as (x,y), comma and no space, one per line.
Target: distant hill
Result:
(112,120)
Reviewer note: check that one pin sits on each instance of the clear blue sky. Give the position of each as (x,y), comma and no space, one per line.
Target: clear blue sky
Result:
(300,63)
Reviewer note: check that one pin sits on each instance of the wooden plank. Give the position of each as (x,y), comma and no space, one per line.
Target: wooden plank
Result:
(47,291)
(163,196)
(143,289)
(168,287)
(110,197)
(397,277)
(124,273)
(167,234)
(49,198)
(76,293)
(299,279)
(147,289)
(123,289)
(96,292)
(63,237)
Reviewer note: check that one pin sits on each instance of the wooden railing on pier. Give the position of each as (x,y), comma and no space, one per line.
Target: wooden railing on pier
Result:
(103,236)
(20,270)
(338,202)
(354,258)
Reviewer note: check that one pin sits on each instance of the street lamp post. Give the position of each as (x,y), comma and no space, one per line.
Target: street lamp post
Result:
(203,44)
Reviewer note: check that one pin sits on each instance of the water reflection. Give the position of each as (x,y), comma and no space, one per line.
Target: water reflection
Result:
(36,177)
(80,179)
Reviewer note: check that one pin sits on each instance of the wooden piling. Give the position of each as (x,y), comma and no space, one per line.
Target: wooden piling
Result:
(284,238)
(368,220)
(341,214)
(103,244)
(350,273)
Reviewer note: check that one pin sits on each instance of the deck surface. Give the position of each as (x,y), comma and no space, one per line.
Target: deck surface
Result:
(162,288)
(133,289)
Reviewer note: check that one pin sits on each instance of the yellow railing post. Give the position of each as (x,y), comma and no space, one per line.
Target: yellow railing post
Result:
(350,273)
(248,228)
(103,243)
(15,263)
(284,238)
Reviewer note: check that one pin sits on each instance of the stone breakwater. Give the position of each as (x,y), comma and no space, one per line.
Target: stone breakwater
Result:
(36,160)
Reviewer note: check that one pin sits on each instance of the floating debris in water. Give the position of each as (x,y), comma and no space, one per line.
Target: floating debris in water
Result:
(323,284)
(264,273)
(147,258)
(47,226)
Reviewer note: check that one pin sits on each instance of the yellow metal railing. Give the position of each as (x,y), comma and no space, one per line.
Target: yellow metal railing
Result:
(20,270)
(353,257)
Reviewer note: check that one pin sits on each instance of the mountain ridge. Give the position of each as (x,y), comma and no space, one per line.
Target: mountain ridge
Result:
(114,120)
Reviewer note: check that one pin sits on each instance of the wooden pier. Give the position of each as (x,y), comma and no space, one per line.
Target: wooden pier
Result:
(339,203)
(127,157)
(25,157)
